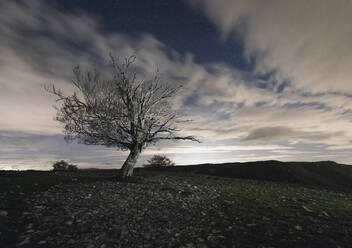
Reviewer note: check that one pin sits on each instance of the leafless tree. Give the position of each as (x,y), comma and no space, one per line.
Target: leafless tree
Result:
(119,111)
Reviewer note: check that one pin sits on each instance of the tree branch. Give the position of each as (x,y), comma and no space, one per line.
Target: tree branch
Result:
(176,138)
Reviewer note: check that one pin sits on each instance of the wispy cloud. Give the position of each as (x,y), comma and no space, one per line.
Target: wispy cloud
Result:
(306,101)
(304,42)
(272,133)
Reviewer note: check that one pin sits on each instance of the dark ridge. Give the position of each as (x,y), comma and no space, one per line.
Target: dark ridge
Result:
(323,174)
(327,174)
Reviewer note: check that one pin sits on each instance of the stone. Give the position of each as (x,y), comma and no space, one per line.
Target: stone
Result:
(69,223)
(212,240)
(127,213)
(3,213)
(325,214)
(147,235)
(251,224)
(298,228)
(71,241)
(190,245)
(29,226)
(307,209)
(26,241)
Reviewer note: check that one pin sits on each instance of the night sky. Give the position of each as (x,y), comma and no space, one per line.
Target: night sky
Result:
(262,79)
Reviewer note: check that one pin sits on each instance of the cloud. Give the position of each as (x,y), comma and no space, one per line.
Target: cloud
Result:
(40,44)
(271,133)
(307,43)
(234,117)
(22,150)
(303,45)
(214,148)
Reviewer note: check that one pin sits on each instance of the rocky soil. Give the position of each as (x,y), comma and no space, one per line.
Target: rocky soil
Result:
(161,212)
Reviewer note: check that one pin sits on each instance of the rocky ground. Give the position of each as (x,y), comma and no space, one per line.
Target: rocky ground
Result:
(92,209)
(162,212)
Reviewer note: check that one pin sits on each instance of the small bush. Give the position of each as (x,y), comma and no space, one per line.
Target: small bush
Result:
(158,161)
(64,166)
(72,167)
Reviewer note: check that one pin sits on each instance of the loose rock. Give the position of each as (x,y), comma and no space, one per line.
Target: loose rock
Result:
(153,214)
(3,213)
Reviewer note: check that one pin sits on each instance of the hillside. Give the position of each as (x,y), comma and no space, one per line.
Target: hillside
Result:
(179,207)
(326,174)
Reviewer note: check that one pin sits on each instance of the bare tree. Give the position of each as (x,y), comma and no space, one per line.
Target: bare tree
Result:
(120,111)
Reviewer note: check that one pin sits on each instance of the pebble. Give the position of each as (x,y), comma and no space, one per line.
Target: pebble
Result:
(298,228)
(154,217)
(27,240)
(190,245)
(3,213)
(29,226)
(307,209)
(71,241)
(69,223)
(325,214)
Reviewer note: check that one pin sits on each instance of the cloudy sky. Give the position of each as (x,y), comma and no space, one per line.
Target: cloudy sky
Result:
(262,79)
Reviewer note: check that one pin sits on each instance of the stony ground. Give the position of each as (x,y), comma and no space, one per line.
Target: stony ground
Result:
(162,212)
(91,209)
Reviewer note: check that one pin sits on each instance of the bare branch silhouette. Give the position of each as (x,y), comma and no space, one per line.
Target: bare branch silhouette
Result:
(120,112)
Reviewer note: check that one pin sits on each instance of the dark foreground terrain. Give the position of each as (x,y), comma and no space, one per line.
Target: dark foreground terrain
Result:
(171,208)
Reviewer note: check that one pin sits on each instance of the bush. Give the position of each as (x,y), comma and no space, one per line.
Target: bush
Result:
(158,161)
(64,166)
(72,167)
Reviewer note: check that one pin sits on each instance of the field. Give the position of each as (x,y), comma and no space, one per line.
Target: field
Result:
(280,211)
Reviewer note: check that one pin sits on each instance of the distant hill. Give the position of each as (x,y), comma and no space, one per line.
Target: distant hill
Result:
(327,174)
(324,174)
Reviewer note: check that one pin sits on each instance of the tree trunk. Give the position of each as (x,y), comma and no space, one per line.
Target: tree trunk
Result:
(127,167)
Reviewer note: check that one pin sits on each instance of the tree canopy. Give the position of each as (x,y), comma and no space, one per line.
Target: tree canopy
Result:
(119,111)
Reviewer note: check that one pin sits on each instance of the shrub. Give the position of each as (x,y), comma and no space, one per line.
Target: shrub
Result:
(159,161)
(64,166)
(72,167)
